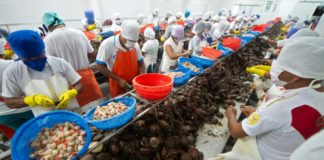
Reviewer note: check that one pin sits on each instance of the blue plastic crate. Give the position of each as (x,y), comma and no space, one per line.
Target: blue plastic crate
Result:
(254,33)
(184,59)
(204,62)
(226,51)
(181,80)
(20,149)
(117,120)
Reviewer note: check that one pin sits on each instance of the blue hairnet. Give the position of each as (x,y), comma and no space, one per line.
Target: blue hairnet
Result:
(26,43)
(187,13)
(90,16)
(50,18)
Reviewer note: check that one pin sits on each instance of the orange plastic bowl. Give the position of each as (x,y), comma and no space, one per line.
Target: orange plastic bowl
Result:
(211,53)
(153,86)
(232,43)
(89,35)
(259,28)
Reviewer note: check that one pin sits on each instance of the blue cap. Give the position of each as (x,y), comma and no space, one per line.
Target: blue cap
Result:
(90,16)
(187,13)
(26,43)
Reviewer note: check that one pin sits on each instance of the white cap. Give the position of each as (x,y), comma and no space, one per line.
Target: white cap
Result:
(206,16)
(172,19)
(156,11)
(303,57)
(300,33)
(179,15)
(140,17)
(295,19)
(198,16)
(130,30)
(117,16)
(177,31)
(215,18)
(168,14)
(149,33)
(208,26)
(199,27)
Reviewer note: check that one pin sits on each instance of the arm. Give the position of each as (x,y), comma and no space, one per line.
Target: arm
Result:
(141,67)
(173,55)
(106,72)
(235,128)
(15,103)
(77,86)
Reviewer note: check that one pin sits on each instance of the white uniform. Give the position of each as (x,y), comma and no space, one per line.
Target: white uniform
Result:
(15,77)
(151,48)
(195,45)
(167,62)
(153,20)
(98,25)
(108,49)
(4,110)
(282,124)
(71,45)
(312,149)
(114,27)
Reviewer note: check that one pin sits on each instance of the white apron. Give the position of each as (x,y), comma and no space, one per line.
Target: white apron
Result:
(52,87)
(244,149)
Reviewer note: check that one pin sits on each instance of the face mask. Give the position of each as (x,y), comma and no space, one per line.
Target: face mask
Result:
(118,22)
(130,44)
(275,72)
(38,64)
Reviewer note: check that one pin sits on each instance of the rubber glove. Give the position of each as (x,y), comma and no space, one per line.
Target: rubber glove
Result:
(253,70)
(66,97)
(9,53)
(38,100)
(236,32)
(263,67)
(162,39)
(92,27)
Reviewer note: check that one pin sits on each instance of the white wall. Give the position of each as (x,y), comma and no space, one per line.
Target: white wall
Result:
(18,14)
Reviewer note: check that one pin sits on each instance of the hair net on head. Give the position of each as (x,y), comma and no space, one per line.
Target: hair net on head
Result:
(50,18)
(215,18)
(300,33)
(26,43)
(295,19)
(155,11)
(187,13)
(117,16)
(130,30)
(206,16)
(208,26)
(199,27)
(177,31)
(140,17)
(168,14)
(172,19)
(179,15)
(90,16)
(149,33)
(198,16)
(303,57)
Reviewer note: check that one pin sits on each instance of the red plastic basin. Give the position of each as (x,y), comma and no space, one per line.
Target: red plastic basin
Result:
(153,86)
(259,28)
(232,43)
(89,35)
(211,53)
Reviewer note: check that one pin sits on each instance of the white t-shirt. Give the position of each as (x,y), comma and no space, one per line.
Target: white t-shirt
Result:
(282,124)
(108,49)
(18,75)
(151,48)
(69,44)
(195,44)
(312,149)
(167,62)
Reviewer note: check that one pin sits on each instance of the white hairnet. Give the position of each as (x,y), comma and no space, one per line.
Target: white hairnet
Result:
(208,26)
(239,18)
(130,30)
(199,27)
(168,14)
(172,19)
(140,17)
(215,18)
(177,31)
(149,33)
(300,33)
(198,16)
(117,16)
(206,16)
(303,57)
(156,11)
(179,15)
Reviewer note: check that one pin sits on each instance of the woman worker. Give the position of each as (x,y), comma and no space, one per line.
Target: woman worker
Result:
(173,49)
(41,82)
(276,128)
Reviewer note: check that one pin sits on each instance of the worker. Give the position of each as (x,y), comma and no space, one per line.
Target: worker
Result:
(120,58)
(207,17)
(197,41)
(198,17)
(150,50)
(41,82)
(179,16)
(188,22)
(312,149)
(117,22)
(90,23)
(173,49)
(106,25)
(171,22)
(140,19)
(154,17)
(276,128)
(11,118)
(164,20)
(73,46)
